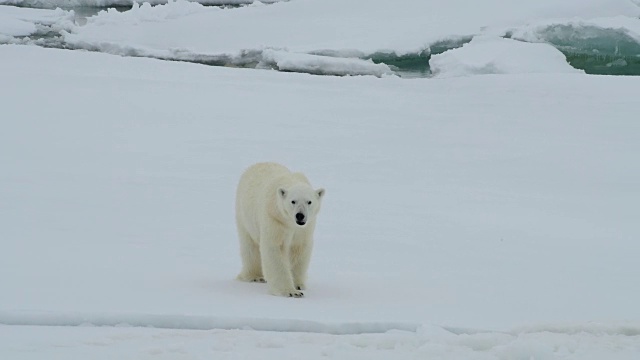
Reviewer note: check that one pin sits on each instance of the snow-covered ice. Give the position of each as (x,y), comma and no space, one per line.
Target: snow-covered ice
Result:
(478,217)
(16,21)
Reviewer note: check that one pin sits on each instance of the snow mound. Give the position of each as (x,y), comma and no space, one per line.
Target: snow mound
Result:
(322,65)
(495,55)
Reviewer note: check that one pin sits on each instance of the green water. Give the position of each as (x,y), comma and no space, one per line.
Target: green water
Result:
(604,64)
(596,50)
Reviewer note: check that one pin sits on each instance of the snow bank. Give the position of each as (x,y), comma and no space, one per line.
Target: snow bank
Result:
(315,25)
(325,26)
(495,55)
(361,30)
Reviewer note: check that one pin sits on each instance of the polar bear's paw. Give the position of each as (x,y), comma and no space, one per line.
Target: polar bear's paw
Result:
(297,294)
(300,287)
(251,278)
(288,293)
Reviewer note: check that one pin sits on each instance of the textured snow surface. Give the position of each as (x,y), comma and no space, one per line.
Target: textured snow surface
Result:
(21,343)
(105,3)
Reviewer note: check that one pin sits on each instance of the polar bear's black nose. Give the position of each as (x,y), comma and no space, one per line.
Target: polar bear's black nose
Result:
(299,217)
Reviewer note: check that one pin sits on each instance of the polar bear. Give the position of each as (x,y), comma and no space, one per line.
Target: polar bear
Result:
(276,216)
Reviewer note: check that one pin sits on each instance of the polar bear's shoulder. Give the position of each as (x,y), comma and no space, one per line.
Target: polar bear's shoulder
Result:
(299,177)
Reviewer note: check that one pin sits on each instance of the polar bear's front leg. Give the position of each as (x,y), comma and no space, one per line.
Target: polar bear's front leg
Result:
(300,257)
(277,269)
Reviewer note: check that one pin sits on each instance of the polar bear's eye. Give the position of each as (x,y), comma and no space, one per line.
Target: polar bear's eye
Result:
(309,203)
(293,202)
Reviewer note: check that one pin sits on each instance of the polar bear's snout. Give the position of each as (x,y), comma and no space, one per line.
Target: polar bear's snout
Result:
(300,219)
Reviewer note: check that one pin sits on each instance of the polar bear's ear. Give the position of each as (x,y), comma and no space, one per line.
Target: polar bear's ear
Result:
(282,192)
(320,192)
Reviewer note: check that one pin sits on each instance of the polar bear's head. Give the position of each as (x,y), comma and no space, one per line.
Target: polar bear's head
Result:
(300,203)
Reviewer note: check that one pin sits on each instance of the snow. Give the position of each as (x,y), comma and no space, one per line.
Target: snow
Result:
(466,217)
(496,55)
(477,217)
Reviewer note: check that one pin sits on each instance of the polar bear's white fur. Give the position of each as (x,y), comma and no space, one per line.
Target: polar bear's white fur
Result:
(276,216)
